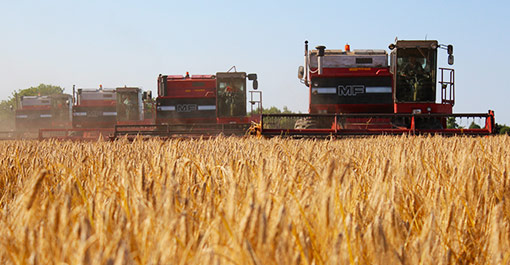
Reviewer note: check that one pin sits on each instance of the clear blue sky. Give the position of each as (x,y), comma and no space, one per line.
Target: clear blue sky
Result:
(117,43)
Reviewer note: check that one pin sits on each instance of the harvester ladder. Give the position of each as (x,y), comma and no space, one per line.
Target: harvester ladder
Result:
(256,102)
(447,83)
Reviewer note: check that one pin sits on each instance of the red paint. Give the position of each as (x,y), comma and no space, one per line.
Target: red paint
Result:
(96,103)
(190,88)
(435,108)
(350,108)
(351,72)
(95,123)
(36,107)
(142,122)
(176,121)
(233,120)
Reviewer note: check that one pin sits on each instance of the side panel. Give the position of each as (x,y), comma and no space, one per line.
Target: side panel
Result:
(435,108)
(33,119)
(185,110)
(94,116)
(350,108)
(345,92)
(185,88)
(185,100)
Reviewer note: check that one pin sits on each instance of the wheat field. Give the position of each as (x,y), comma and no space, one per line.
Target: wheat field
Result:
(380,200)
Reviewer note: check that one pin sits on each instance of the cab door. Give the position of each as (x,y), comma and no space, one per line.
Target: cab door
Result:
(231,94)
(128,106)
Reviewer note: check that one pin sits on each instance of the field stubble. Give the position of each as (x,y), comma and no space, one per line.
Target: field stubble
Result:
(381,200)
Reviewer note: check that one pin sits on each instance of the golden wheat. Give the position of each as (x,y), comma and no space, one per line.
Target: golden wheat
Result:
(380,200)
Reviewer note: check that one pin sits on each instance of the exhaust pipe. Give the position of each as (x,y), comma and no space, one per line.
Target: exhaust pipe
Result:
(320,55)
(306,62)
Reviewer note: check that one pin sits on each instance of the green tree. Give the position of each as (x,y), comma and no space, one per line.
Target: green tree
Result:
(8,106)
(452,124)
(502,129)
(473,125)
(274,110)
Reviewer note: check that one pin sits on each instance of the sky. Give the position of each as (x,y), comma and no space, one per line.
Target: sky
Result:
(117,43)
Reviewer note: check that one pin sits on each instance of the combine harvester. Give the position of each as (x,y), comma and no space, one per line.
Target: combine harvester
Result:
(40,112)
(358,93)
(199,105)
(186,106)
(96,112)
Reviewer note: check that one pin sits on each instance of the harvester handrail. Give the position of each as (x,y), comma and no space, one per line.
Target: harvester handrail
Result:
(383,115)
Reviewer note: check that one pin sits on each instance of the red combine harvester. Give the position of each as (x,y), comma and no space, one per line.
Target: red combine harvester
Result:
(39,112)
(97,111)
(95,108)
(358,93)
(199,105)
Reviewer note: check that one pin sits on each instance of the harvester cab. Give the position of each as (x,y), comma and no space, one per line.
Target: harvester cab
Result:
(414,69)
(62,108)
(129,104)
(231,93)
(415,77)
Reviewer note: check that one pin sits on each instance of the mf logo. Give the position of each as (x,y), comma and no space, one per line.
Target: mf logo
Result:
(351,90)
(186,107)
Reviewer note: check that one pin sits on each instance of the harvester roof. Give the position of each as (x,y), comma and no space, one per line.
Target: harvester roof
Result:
(348,59)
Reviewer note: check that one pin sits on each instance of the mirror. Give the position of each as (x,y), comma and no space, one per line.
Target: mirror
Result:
(147,95)
(301,72)
(450,59)
(252,77)
(255,84)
